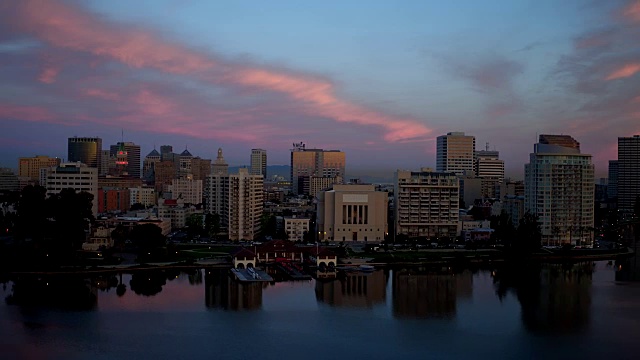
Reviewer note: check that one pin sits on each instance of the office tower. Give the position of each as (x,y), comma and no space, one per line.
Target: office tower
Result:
(200,168)
(76,176)
(352,213)
(105,161)
(454,153)
(628,173)
(237,198)
(185,162)
(307,163)
(8,180)
(220,167)
(29,167)
(165,151)
(118,160)
(489,168)
(559,189)
(87,150)
(612,189)
(259,162)
(187,189)
(426,204)
(132,156)
(148,165)
(163,173)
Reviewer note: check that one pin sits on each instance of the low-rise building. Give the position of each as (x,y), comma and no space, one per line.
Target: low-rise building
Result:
(145,196)
(113,200)
(296,227)
(101,238)
(176,211)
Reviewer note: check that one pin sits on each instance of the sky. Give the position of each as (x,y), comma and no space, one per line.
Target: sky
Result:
(379,80)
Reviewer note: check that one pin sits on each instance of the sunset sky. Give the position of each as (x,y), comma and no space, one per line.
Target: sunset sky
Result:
(379,80)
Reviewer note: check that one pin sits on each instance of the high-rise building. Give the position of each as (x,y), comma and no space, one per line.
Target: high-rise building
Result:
(113,200)
(87,150)
(8,180)
(77,176)
(238,199)
(148,165)
(426,204)
(185,162)
(352,213)
(612,188)
(132,154)
(29,167)
(314,163)
(163,173)
(220,167)
(628,173)
(166,151)
(559,189)
(455,153)
(187,189)
(200,168)
(489,168)
(118,160)
(259,162)
(105,160)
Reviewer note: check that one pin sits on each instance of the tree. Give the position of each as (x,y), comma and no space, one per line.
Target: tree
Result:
(137,206)
(212,224)
(528,233)
(147,237)
(504,231)
(194,224)
(72,213)
(268,226)
(32,215)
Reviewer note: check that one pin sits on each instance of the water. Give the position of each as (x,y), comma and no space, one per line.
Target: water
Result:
(532,312)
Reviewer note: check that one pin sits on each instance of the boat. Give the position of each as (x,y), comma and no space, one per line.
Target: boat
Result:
(366,268)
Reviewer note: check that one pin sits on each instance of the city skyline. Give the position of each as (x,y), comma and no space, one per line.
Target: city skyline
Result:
(374,78)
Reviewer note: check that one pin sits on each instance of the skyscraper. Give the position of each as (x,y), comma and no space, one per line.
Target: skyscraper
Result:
(490,169)
(148,165)
(87,150)
(628,173)
(306,163)
(259,162)
(455,153)
(132,156)
(559,189)
(612,188)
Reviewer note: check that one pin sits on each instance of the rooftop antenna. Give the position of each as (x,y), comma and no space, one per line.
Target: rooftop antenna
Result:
(486,146)
(122,134)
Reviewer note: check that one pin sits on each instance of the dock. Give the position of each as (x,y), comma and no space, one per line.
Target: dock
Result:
(245,275)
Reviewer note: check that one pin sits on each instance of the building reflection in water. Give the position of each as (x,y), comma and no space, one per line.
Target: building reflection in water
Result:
(64,291)
(357,289)
(554,298)
(628,269)
(429,293)
(223,292)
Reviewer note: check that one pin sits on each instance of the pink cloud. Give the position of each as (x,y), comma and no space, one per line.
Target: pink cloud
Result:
(71,28)
(624,71)
(29,113)
(632,11)
(105,95)
(48,75)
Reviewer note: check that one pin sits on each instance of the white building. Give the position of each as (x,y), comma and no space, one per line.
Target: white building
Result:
(176,211)
(259,162)
(559,189)
(187,189)
(238,198)
(296,227)
(77,176)
(426,204)
(490,169)
(352,213)
(455,153)
(142,195)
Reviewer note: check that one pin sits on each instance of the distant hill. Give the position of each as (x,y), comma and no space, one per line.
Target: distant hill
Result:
(280,170)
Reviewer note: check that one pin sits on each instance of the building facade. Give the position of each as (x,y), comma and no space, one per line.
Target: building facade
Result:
(314,163)
(455,153)
(628,173)
(77,176)
(426,204)
(145,196)
(87,150)
(187,189)
(612,187)
(296,228)
(200,168)
(259,162)
(489,168)
(131,153)
(559,189)
(113,200)
(29,167)
(352,213)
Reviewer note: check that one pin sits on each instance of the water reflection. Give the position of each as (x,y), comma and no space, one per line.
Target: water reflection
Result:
(63,291)
(353,289)
(427,293)
(554,298)
(628,269)
(223,292)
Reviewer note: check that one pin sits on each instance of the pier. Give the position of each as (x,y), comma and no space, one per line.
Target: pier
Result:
(251,275)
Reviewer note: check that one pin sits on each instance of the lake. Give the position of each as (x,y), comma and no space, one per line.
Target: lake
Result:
(580,311)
